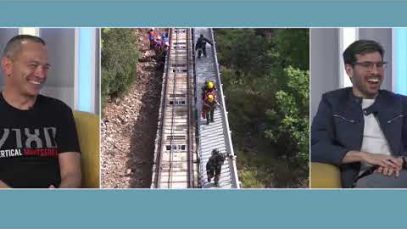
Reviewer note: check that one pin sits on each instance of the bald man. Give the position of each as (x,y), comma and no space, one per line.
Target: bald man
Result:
(38,140)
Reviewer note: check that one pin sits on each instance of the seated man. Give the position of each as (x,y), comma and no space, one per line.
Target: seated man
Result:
(38,141)
(363,130)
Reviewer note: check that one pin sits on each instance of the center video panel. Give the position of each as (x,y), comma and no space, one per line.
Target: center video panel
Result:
(204,108)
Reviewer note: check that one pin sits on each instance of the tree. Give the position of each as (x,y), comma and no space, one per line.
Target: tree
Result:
(289,118)
(265,76)
(292,45)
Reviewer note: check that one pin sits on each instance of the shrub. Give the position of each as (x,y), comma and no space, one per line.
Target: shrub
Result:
(119,58)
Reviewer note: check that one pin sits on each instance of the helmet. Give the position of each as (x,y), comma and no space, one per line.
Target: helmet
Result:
(210,84)
(215,151)
(210,98)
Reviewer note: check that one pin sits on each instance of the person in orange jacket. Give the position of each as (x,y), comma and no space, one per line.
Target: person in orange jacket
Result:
(208,108)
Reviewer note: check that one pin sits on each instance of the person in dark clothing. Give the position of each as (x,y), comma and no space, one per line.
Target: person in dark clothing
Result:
(39,147)
(161,54)
(201,45)
(363,130)
(151,38)
(214,166)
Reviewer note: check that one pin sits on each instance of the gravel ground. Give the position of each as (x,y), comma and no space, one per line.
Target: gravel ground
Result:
(129,126)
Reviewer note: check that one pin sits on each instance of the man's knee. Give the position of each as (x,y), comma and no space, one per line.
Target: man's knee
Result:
(377,180)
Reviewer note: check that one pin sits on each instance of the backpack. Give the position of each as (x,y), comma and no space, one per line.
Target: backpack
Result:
(206,92)
(201,43)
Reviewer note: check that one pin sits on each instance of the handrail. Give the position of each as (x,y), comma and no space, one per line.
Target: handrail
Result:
(225,123)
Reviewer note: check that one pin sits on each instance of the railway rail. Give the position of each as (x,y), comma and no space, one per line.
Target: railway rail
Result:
(175,156)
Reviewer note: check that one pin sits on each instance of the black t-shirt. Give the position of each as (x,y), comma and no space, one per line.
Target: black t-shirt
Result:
(30,141)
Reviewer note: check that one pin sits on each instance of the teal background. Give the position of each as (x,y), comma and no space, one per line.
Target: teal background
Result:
(203,208)
(223,13)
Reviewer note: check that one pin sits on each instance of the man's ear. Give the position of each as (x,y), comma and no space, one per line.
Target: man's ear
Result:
(6,65)
(349,70)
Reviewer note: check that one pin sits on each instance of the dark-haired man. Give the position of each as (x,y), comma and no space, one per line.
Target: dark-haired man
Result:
(363,130)
(38,140)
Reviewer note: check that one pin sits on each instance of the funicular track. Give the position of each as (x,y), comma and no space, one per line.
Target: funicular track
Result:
(184,142)
(175,154)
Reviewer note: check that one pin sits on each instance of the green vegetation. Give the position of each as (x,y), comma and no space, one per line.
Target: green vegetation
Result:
(119,58)
(265,76)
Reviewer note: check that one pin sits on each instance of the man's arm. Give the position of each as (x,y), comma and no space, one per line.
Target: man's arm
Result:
(207,40)
(386,164)
(68,147)
(323,145)
(3,185)
(70,169)
(381,160)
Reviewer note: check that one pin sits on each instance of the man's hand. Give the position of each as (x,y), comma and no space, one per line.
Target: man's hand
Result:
(387,165)
(390,171)
(387,171)
(385,161)
(379,160)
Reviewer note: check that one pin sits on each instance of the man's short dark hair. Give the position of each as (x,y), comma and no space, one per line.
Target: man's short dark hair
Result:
(13,46)
(361,47)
